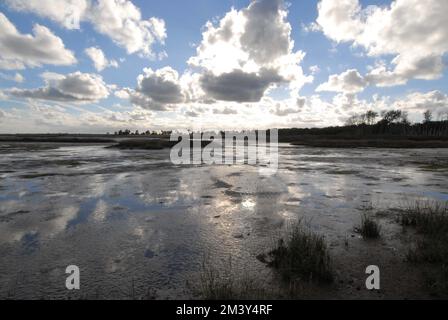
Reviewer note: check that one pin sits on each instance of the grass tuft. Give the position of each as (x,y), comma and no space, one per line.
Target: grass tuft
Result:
(369,228)
(225,285)
(302,255)
(430,220)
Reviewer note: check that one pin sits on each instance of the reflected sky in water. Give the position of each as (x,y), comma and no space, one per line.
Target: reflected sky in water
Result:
(131,218)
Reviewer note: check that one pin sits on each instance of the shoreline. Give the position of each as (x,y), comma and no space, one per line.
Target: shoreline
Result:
(162,142)
(371,143)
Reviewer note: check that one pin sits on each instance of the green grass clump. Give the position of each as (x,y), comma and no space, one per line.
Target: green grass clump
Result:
(430,220)
(369,228)
(302,255)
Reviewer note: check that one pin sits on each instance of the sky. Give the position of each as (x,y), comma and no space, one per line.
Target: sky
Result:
(97,66)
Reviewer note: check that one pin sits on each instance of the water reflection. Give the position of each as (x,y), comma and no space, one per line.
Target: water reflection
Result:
(127,216)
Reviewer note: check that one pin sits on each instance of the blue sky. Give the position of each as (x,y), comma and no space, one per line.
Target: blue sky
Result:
(319,34)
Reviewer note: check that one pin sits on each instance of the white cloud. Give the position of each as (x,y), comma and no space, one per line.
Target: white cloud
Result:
(415,32)
(339,20)
(406,67)
(253,46)
(18,51)
(99,59)
(225,111)
(161,86)
(17,77)
(435,101)
(314,69)
(68,13)
(75,87)
(238,85)
(122,94)
(349,81)
(156,90)
(37,117)
(120,20)
(282,110)
(248,53)
(349,102)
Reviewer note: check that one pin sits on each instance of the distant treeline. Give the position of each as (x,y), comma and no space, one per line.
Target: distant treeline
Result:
(392,123)
(128,132)
(373,124)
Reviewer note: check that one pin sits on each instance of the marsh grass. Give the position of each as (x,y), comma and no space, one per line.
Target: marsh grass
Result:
(369,228)
(428,217)
(302,255)
(430,220)
(225,284)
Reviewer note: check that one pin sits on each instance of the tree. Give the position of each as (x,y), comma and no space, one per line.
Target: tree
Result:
(362,118)
(371,116)
(391,116)
(352,121)
(404,118)
(427,115)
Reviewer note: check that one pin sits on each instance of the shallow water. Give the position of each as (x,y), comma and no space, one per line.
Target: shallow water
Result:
(140,227)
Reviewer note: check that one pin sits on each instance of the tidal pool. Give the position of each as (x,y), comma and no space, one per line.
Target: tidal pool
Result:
(140,227)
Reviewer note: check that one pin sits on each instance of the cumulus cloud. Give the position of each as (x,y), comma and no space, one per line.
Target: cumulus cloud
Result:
(425,68)
(252,46)
(122,93)
(266,35)
(349,102)
(435,101)
(239,86)
(413,31)
(68,13)
(161,86)
(156,90)
(244,56)
(75,87)
(283,110)
(225,111)
(18,51)
(415,103)
(339,20)
(349,81)
(120,20)
(300,101)
(99,59)
(192,114)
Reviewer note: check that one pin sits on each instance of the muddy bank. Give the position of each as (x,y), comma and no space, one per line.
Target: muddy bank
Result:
(135,222)
(54,138)
(146,144)
(370,143)
(156,144)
